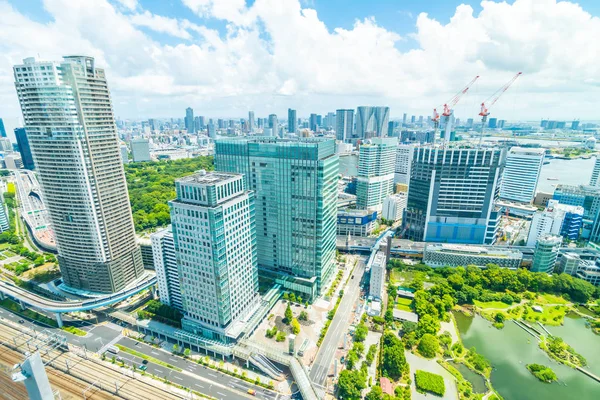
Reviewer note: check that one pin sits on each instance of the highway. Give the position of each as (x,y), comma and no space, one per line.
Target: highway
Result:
(337,329)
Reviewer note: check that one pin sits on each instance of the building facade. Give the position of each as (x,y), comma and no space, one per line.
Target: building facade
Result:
(344,125)
(71,129)
(546,253)
(274,125)
(377,279)
(140,149)
(190,125)
(394,206)
(595,179)
(372,122)
(404,158)
(521,174)
(295,182)
(375,181)
(24,148)
(453,255)
(451,195)
(356,222)
(214,233)
(292,121)
(165,265)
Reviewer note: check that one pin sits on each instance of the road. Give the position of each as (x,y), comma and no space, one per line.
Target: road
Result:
(337,329)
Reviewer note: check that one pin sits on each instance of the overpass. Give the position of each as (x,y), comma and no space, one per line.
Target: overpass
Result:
(25,297)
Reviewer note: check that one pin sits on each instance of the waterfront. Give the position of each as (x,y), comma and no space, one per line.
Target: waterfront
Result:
(511,348)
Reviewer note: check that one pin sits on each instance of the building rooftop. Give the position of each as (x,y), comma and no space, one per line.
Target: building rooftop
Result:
(209,178)
(528,150)
(473,250)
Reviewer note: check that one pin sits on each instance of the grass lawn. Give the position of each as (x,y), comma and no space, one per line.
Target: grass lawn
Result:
(4,246)
(396,276)
(9,254)
(548,298)
(491,304)
(145,357)
(552,315)
(73,330)
(403,304)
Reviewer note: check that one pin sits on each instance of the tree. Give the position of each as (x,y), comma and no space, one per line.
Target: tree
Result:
(393,362)
(429,346)
(295,326)
(360,334)
(175,348)
(427,324)
(499,317)
(289,315)
(350,384)
(187,352)
(292,297)
(375,394)
(303,316)
(286,296)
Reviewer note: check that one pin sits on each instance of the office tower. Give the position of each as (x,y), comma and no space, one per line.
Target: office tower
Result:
(330,121)
(451,195)
(152,124)
(377,279)
(586,196)
(212,131)
(447,127)
(313,122)
(4,223)
(215,244)
(2,129)
(84,191)
(412,119)
(420,120)
(344,125)
(394,206)
(501,123)
(190,124)
(569,263)
(521,174)
(231,124)
(404,119)
(251,125)
(24,149)
(549,221)
(201,123)
(372,122)
(197,125)
(595,179)
(140,149)
(220,123)
(165,265)
(546,253)
(274,124)
(375,181)
(13,161)
(492,123)
(124,154)
(5,145)
(295,183)
(544,123)
(575,125)
(391,128)
(404,158)
(470,123)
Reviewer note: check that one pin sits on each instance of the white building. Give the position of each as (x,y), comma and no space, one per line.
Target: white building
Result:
(77,158)
(215,243)
(404,158)
(165,265)
(375,179)
(13,161)
(394,206)
(569,263)
(549,221)
(595,179)
(377,283)
(521,174)
(140,149)
(124,154)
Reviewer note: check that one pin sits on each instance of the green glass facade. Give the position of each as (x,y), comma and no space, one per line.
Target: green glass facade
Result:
(295,182)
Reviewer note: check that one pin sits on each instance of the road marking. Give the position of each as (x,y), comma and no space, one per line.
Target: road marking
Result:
(213,375)
(222,394)
(200,386)
(177,377)
(174,360)
(158,370)
(153,352)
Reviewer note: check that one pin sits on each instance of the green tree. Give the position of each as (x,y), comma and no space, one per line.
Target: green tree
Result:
(360,334)
(375,394)
(187,352)
(350,384)
(289,315)
(428,324)
(499,317)
(295,326)
(303,316)
(429,346)
(393,362)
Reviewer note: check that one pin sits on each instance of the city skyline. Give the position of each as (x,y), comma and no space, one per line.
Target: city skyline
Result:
(270,83)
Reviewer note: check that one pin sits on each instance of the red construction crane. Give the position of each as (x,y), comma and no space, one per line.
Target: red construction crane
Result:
(492,100)
(449,105)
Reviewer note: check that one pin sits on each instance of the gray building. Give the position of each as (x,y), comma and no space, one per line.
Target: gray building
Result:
(451,195)
(251,124)
(165,265)
(84,191)
(292,121)
(344,125)
(454,255)
(140,149)
(372,122)
(274,125)
(375,181)
(521,174)
(356,222)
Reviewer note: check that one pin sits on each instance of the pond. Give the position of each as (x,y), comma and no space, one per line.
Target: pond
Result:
(510,349)
(478,381)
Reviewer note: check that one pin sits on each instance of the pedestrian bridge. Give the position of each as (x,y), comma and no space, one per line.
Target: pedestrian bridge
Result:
(25,297)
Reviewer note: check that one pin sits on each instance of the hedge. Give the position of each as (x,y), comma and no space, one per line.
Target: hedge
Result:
(428,382)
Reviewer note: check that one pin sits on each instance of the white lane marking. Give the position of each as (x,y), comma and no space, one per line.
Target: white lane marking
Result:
(222,394)
(153,352)
(213,375)
(200,386)
(159,371)
(178,378)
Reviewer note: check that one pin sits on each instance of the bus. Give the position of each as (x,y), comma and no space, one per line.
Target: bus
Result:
(113,349)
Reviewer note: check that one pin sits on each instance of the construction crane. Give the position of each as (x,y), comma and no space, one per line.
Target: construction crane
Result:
(490,101)
(449,105)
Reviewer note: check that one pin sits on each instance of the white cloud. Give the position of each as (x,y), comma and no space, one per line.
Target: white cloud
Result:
(278,54)
(129,4)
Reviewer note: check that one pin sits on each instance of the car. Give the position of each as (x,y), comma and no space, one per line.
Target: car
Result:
(119,359)
(352,277)
(21,321)
(252,392)
(145,362)
(143,367)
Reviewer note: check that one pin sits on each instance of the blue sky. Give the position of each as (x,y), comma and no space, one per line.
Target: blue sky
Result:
(226,57)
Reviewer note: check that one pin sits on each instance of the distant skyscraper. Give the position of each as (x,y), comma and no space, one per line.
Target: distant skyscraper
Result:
(313,126)
(84,191)
(319,120)
(295,183)
(2,128)
(521,174)
(153,124)
(344,125)
(165,265)
(24,149)
(330,121)
(594,180)
(404,159)
(546,253)
(214,235)
(575,125)
(190,125)
(212,131)
(274,124)
(140,149)
(124,154)
(201,123)
(420,120)
(492,123)
(251,121)
(404,119)
(375,179)
(451,195)
(412,119)
(372,122)
(470,123)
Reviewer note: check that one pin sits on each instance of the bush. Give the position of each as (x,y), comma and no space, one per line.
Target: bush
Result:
(543,373)
(280,336)
(303,316)
(360,334)
(270,333)
(295,326)
(428,346)
(428,382)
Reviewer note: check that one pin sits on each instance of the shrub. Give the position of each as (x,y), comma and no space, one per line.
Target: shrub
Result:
(428,382)
(428,346)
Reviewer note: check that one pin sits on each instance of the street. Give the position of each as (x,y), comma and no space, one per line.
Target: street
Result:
(337,329)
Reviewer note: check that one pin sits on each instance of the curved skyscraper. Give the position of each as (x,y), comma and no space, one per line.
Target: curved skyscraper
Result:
(372,122)
(72,133)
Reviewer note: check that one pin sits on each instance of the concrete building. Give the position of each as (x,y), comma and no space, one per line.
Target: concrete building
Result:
(6,145)
(589,271)
(541,198)
(372,122)
(215,242)
(146,250)
(595,179)
(356,222)
(295,182)
(375,179)
(549,221)
(84,191)
(568,263)
(404,158)
(190,125)
(2,129)
(165,265)
(451,195)
(13,161)
(377,279)
(140,149)
(124,154)
(344,125)
(394,206)
(546,253)
(292,121)
(312,123)
(4,222)
(453,255)
(274,124)
(521,174)
(24,148)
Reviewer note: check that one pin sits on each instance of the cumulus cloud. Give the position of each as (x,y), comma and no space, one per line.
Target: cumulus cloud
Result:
(278,53)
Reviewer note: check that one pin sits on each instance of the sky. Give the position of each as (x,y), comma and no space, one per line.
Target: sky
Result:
(226,57)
